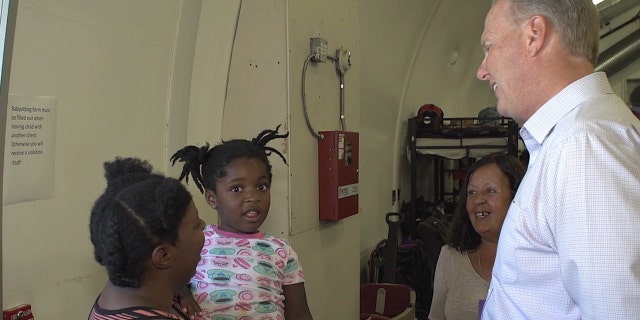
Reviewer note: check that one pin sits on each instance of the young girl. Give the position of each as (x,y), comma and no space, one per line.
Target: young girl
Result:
(243,273)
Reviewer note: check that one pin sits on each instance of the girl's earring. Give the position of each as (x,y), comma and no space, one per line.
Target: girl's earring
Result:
(213,206)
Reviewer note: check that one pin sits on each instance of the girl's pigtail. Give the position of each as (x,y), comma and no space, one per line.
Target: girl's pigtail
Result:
(193,158)
(267,135)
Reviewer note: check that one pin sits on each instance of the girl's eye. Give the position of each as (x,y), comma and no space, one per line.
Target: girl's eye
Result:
(236,189)
(263,187)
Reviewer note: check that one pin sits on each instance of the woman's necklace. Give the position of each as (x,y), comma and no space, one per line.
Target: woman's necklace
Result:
(480,264)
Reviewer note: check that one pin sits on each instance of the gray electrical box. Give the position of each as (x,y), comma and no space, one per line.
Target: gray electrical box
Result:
(319,49)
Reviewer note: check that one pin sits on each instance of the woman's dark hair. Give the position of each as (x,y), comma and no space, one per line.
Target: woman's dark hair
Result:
(206,165)
(634,97)
(137,211)
(461,234)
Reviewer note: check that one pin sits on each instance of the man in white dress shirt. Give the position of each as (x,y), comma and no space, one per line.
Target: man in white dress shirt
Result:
(570,244)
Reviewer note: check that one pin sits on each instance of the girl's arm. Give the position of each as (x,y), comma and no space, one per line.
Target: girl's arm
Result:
(188,304)
(295,302)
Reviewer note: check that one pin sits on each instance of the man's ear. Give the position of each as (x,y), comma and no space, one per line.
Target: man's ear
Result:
(161,257)
(210,197)
(536,32)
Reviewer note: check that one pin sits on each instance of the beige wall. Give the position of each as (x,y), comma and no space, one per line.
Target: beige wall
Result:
(329,250)
(109,69)
(145,77)
(122,78)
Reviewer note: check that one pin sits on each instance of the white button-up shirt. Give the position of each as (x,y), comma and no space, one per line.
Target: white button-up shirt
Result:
(570,244)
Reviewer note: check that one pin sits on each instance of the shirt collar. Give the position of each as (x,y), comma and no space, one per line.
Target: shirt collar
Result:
(537,128)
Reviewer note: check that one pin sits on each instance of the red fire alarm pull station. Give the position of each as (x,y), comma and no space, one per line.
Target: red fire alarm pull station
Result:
(338,174)
(21,312)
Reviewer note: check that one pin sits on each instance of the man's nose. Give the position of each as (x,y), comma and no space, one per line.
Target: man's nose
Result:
(482,73)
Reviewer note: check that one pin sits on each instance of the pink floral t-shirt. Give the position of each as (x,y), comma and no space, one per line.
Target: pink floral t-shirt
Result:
(241,276)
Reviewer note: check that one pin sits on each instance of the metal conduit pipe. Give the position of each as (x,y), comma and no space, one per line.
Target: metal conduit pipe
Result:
(611,9)
(620,54)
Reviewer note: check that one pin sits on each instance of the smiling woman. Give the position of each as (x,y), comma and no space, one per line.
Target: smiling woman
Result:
(464,267)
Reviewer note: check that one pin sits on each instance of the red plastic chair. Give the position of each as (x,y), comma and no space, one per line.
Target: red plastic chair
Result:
(387,301)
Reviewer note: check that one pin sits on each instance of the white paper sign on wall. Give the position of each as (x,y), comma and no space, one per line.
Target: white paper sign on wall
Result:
(29,166)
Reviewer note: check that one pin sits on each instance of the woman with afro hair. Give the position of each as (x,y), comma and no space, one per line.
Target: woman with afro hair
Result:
(146,232)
